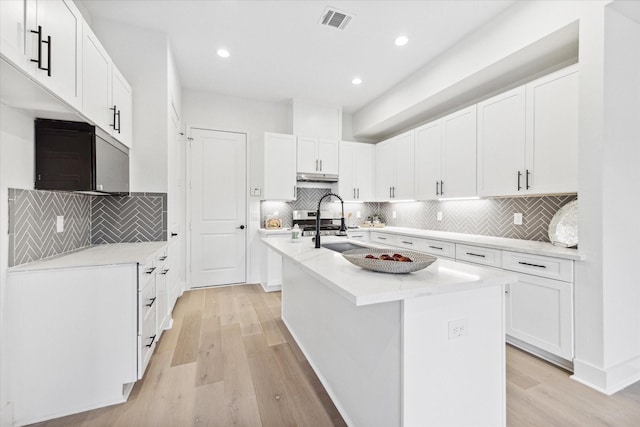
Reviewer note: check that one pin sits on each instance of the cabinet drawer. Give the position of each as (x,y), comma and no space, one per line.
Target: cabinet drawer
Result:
(383,238)
(147,342)
(362,236)
(552,268)
(413,243)
(147,303)
(146,271)
(439,248)
(479,255)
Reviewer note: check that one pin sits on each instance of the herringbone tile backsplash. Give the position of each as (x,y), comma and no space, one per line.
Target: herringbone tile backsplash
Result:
(489,217)
(140,217)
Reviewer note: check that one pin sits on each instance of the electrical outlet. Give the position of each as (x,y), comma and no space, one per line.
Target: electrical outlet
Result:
(255,191)
(517,218)
(439,216)
(60,223)
(275,213)
(393,214)
(458,328)
(358,214)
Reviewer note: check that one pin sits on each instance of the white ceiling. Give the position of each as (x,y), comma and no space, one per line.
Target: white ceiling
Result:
(279,51)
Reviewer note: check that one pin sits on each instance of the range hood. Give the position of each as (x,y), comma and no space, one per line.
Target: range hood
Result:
(317,177)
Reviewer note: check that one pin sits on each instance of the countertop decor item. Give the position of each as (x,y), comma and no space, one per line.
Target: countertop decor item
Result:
(563,228)
(273,223)
(359,257)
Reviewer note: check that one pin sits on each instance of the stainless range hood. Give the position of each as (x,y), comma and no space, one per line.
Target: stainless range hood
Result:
(317,177)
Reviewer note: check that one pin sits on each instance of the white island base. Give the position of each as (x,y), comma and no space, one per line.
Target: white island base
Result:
(402,363)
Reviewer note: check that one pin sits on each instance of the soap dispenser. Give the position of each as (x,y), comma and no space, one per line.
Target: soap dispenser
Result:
(296,233)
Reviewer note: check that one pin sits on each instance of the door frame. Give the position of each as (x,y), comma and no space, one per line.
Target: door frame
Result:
(189,127)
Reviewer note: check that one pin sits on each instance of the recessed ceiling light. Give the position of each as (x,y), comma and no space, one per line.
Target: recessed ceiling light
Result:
(402,40)
(223,53)
(356,80)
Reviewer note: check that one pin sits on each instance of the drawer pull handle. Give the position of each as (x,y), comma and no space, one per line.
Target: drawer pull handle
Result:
(407,243)
(151,270)
(478,255)
(382,238)
(532,265)
(436,247)
(153,339)
(162,258)
(357,235)
(164,271)
(152,301)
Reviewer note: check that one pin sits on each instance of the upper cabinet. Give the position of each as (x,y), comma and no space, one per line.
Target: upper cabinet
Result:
(49,41)
(528,138)
(279,166)
(107,97)
(317,156)
(445,160)
(356,171)
(395,164)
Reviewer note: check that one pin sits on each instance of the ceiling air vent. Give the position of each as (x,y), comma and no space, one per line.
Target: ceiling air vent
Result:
(335,18)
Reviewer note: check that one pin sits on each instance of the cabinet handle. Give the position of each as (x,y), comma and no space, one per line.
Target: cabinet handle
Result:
(519,175)
(294,191)
(162,258)
(389,192)
(316,165)
(39,60)
(358,194)
(435,247)
(118,114)
(442,188)
(507,289)
(320,165)
(152,301)
(164,272)
(153,338)
(48,42)
(407,243)
(151,270)
(478,255)
(174,234)
(114,109)
(357,235)
(437,188)
(526,179)
(532,265)
(354,193)
(381,238)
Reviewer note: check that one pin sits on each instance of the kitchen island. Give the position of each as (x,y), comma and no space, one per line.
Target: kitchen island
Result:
(418,349)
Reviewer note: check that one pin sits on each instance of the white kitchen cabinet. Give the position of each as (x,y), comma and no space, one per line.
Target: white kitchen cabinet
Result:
(54,41)
(162,277)
(428,163)
(395,168)
(122,99)
(96,82)
(552,132)
(356,171)
(528,138)
(13,31)
(317,155)
(360,235)
(539,312)
(279,166)
(459,154)
(501,144)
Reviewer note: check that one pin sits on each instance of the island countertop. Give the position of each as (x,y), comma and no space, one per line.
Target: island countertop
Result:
(363,287)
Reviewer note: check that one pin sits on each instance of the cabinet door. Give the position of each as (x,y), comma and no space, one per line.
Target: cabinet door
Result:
(539,312)
(122,103)
(328,154)
(385,169)
(459,154)
(501,144)
(96,82)
(307,158)
(61,20)
(428,150)
(13,31)
(364,175)
(552,132)
(346,176)
(404,188)
(279,166)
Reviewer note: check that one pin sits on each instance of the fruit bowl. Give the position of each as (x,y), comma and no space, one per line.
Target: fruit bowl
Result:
(418,261)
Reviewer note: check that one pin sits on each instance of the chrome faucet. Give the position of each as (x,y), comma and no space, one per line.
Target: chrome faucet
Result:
(343,228)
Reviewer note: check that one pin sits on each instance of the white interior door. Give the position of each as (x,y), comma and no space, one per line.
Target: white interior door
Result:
(218,207)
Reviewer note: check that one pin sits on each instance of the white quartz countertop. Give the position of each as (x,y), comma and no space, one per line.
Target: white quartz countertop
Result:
(97,255)
(363,287)
(276,231)
(517,245)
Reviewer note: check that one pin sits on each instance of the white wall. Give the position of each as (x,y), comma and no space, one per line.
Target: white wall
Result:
(16,171)
(142,56)
(316,120)
(245,115)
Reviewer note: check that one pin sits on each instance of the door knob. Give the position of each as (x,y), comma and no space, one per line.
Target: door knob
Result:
(241,227)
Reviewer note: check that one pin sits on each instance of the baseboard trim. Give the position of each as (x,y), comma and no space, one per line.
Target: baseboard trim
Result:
(607,380)
(271,288)
(542,354)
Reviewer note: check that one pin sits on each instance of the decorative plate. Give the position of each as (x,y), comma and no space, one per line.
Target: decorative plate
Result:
(563,228)
(358,257)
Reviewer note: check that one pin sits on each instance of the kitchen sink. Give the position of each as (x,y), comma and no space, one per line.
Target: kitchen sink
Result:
(341,246)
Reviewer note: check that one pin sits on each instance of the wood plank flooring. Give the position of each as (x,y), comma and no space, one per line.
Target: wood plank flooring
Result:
(229,360)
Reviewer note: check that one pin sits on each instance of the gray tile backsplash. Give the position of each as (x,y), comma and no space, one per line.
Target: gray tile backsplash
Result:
(88,220)
(490,217)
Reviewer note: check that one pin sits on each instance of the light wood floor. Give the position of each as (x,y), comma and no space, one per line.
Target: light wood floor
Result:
(230,361)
